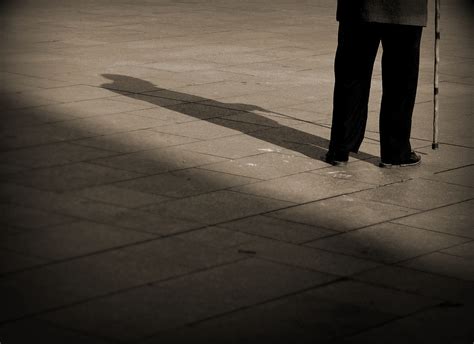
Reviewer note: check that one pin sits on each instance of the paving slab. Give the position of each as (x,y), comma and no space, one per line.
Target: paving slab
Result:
(302,187)
(216,207)
(134,141)
(12,261)
(70,177)
(463,250)
(242,146)
(387,242)
(248,285)
(439,325)
(71,240)
(52,154)
(454,219)
(444,264)
(418,282)
(418,194)
(119,196)
(77,280)
(377,298)
(30,218)
(303,316)
(306,257)
(278,229)
(157,160)
(266,166)
(185,183)
(25,331)
(218,237)
(342,213)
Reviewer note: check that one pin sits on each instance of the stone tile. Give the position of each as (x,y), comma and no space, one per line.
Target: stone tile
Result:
(6,169)
(144,100)
(216,207)
(235,147)
(158,160)
(209,129)
(454,219)
(418,194)
(207,109)
(52,154)
(71,240)
(183,65)
(266,118)
(72,93)
(446,158)
(100,274)
(16,119)
(278,229)
(90,108)
(372,297)
(12,261)
(460,176)
(235,58)
(419,282)
(29,218)
(123,197)
(266,166)
(342,213)
(143,221)
(134,141)
(218,237)
(110,124)
(185,183)
(306,257)
(302,318)
(222,89)
(38,135)
(387,242)
(94,211)
(366,172)
(437,325)
(301,133)
(444,264)
(71,177)
(464,250)
(303,187)
(164,116)
(153,309)
(261,100)
(26,331)
(61,284)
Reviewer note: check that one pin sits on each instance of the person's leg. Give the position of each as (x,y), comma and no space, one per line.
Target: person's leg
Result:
(357,48)
(400,65)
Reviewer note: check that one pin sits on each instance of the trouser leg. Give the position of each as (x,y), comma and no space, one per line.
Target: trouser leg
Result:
(400,66)
(357,48)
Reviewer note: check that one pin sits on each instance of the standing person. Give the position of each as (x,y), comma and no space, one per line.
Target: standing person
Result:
(363,24)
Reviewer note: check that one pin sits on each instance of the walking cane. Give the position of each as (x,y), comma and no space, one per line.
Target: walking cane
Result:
(435,144)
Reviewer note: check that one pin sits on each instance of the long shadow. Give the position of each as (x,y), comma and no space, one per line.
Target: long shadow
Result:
(268,129)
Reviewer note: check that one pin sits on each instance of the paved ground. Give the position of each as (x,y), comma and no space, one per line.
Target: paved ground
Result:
(162,183)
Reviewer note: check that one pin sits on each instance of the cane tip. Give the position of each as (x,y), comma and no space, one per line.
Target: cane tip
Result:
(435,146)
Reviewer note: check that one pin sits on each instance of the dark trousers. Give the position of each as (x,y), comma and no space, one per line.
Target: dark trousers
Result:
(357,48)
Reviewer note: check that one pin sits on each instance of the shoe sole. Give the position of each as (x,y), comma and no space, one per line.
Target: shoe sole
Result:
(384,165)
(334,162)
(337,163)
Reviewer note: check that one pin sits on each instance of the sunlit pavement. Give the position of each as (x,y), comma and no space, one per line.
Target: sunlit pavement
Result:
(162,182)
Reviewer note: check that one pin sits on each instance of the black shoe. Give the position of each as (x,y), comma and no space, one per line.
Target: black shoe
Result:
(413,160)
(336,159)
